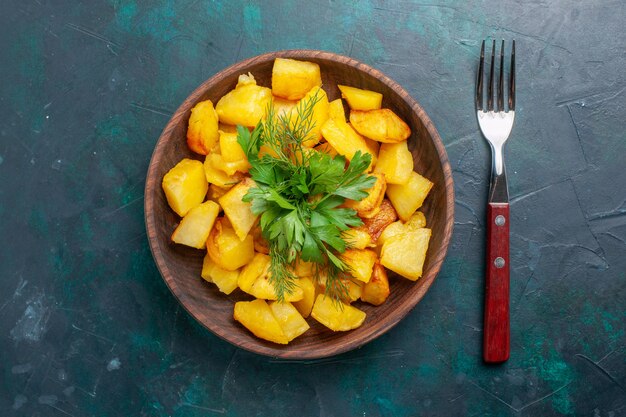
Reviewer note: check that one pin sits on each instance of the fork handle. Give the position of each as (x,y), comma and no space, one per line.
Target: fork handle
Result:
(496,333)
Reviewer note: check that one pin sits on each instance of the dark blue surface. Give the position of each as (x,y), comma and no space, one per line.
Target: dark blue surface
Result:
(87,326)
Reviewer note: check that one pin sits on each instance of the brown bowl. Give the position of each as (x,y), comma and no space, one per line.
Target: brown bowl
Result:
(180,266)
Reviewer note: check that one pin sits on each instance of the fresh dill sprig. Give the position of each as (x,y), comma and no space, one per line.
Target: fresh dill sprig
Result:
(299,194)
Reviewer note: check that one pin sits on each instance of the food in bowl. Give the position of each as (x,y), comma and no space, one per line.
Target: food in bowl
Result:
(310,201)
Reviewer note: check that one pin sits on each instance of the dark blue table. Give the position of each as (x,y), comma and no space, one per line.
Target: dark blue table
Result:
(87,326)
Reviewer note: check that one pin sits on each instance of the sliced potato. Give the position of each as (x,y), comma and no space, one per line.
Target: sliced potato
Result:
(239,212)
(202,131)
(345,140)
(305,305)
(289,318)
(185,186)
(257,317)
(226,281)
(215,175)
(226,249)
(405,253)
(258,266)
(292,79)
(336,316)
(393,229)
(360,262)
(359,99)
(377,223)
(416,221)
(229,147)
(395,161)
(408,197)
(376,290)
(195,227)
(216,192)
(318,116)
(382,125)
(336,111)
(283,107)
(368,207)
(357,237)
(227,128)
(263,288)
(347,288)
(246,104)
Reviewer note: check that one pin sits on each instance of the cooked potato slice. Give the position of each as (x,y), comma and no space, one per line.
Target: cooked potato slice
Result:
(393,229)
(226,249)
(227,128)
(215,175)
(202,132)
(359,99)
(261,245)
(368,207)
(292,79)
(395,161)
(258,266)
(239,212)
(318,116)
(417,220)
(345,140)
(408,197)
(195,227)
(360,262)
(245,105)
(336,111)
(185,186)
(283,107)
(376,224)
(376,290)
(216,192)
(348,288)
(229,147)
(405,253)
(226,281)
(289,318)
(381,125)
(336,316)
(357,237)
(263,288)
(305,305)
(257,317)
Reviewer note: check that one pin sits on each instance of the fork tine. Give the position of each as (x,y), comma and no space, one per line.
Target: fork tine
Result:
(490,86)
(512,80)
(501,80)
(479,79)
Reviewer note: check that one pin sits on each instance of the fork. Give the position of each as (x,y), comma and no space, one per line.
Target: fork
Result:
(495,124)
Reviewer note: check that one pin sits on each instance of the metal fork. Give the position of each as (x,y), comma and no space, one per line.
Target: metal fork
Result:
(496,123)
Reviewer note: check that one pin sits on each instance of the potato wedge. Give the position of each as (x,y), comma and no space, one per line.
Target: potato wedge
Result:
(229,147)
(416,221)
(360,262)
(202,131)
(393,229)
(283,107)
(405,253)
(336,111)
(335,316)
(226,249)
(382,125)
(395,161)
(185,186)
(239,213)
(195,227)
(226,281)
(368,207)
(376,224)
(345,140)
(357,237)
(408,197)
(216,192)
(263,288)
(305,305)
(261,245)
(376,290)
(257,317)
(215,175)
(257,267)
(290,320)
(246,104)
(359,99)
(318,117)
(292,79)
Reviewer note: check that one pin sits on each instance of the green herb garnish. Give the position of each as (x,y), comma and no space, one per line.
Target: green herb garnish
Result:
(298,195)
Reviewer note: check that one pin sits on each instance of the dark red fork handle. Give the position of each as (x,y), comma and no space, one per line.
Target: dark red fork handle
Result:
(496,342)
